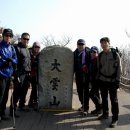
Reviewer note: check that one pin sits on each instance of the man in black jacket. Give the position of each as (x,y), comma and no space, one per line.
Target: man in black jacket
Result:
(81,64)
(22,78)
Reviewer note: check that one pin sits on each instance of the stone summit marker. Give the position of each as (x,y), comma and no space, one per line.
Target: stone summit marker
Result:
(55,78)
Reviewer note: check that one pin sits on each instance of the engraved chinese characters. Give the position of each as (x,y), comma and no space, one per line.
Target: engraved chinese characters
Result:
(55,78)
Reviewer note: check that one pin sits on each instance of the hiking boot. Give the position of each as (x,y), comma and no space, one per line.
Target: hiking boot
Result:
(113,124)
(15,115)
(30,104)
(80,109)
(85,112)
(24,109)
(96,112)
(103,117)
(35,106)
(4,117)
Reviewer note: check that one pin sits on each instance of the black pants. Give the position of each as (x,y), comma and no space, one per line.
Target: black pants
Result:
(33,96)
(108,87)
(4,90)
(94,94)
(82,83)
(20,90)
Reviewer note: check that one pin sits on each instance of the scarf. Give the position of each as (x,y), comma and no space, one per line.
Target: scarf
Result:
(83,56)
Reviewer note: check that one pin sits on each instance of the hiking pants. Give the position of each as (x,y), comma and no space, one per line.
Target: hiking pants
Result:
(33,96)
(82,84)
(20,90)
(4,90)
(109,87)
(94,94)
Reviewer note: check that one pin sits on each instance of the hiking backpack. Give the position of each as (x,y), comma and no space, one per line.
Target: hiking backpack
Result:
(114,52)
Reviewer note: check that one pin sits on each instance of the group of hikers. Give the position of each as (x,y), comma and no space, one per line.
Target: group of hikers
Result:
(96,75)
(100,69)
(18,64)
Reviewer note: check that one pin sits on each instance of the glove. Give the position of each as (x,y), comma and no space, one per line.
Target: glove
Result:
(9,59)
(84,69)
(7,64)
(15,68)
(117,84)
(34,64)
(15,74)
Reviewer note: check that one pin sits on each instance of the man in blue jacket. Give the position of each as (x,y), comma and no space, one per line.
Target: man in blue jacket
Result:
(8,60)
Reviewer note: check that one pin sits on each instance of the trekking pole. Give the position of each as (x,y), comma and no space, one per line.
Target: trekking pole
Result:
(82,112)
(14,120)
(84,81)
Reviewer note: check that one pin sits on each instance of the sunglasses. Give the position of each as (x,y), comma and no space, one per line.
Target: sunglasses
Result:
(25,39)
(8,35)
(93,52)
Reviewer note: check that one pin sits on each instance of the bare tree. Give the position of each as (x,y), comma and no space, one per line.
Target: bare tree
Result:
(16,38)
(125,79)
(50,40)
(1,30)
(128,35)
(66,40)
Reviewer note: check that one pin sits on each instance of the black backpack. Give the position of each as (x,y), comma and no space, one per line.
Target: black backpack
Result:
(114,52)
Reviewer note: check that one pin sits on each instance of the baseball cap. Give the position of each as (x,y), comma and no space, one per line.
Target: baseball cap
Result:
(81,42)
(7,31)
(94,49)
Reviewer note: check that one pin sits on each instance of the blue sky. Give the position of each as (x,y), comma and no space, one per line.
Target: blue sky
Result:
(87,19)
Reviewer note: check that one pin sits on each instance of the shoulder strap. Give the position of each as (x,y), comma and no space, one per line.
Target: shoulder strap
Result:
(114,52)
(17,49)
(99,56)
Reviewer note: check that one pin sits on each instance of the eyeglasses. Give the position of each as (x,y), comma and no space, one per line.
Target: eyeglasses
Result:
(8,35)
(25,39)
